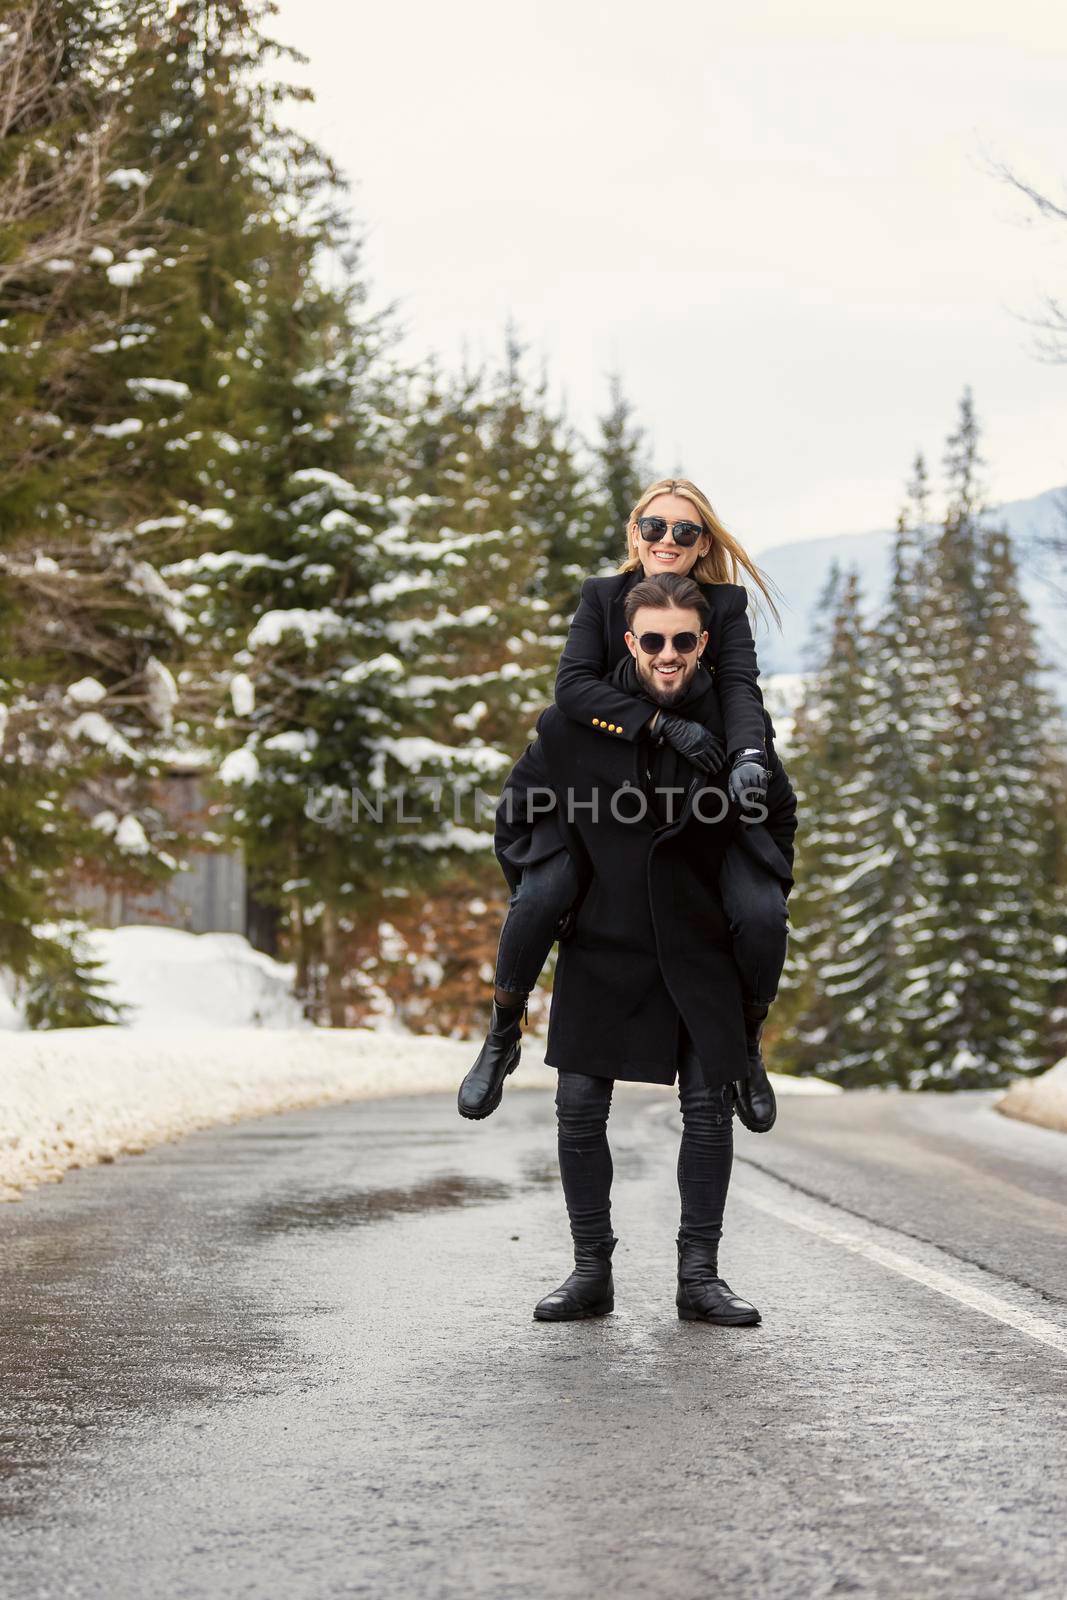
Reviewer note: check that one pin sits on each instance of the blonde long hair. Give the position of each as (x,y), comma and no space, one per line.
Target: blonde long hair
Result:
(726,558)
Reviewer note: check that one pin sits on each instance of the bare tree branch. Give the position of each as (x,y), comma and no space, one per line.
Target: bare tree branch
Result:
(1052,345)
(49,192)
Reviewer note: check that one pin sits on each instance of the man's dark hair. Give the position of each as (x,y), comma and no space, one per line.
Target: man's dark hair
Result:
(672,589)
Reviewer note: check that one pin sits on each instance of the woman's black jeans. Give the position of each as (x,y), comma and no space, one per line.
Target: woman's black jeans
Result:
(753,899)
(543,894)
(705,1156)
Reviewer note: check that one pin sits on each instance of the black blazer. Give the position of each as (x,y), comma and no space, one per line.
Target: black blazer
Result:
(597,642)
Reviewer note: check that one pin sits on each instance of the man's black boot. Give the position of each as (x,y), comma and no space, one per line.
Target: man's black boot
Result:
(589,1291)
(482,1089)
(753,1096)
(702,1295)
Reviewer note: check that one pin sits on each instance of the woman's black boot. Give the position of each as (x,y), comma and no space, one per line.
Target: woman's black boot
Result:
(702,1295)
(753,1096)
(482,1089)
(589,1291)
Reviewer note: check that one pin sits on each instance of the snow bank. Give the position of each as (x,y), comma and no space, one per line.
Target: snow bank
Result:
(171,980)
(785,1083)
(214,1036)
(79,1096)
(1042,1100)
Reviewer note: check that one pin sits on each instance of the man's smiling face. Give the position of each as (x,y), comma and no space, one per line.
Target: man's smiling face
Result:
(666,671)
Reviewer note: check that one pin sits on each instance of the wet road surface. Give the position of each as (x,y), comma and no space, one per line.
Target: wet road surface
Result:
(297,1358)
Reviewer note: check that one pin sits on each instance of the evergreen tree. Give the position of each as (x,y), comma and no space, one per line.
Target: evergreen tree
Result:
(285,609)
(834,790)
(284,634)
(84,634)
(485,570)
(931,879)
(151,367)
(1018,751)
(900,818)
(1051,865)
(562,510)
(621,472)
(469,602)
(949,1036)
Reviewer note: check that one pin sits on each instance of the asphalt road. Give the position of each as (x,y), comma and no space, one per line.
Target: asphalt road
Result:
(296,1358)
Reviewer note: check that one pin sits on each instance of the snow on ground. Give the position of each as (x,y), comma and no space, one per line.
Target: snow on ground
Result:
(171,979)
(78,1096)
(215,1036)
(1042,1100)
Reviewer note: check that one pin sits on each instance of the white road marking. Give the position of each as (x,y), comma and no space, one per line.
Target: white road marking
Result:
(945,1283)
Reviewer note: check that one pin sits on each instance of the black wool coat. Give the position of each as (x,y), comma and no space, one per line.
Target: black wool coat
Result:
(596,642)
(595,645)
(651,945)
(586,692)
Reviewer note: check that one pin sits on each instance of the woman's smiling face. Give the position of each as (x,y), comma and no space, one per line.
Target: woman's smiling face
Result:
(665,555)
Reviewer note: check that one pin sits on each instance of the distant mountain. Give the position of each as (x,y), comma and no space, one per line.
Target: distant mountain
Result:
(800,570)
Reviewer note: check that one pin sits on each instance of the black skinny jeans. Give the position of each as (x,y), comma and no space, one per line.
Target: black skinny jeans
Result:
(753,899)
(705,1156)
(539,900)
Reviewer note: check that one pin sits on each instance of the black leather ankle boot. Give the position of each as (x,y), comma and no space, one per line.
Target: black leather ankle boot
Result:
(753,1096)
(702,1295)
(589,1291)
(483,1087)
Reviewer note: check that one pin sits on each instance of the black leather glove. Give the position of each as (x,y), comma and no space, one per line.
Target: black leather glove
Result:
(749,772)
(693,741)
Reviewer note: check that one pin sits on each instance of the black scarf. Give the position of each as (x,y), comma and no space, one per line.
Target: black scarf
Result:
(660,764)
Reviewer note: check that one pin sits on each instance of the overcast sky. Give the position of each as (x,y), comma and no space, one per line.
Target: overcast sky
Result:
(775,220)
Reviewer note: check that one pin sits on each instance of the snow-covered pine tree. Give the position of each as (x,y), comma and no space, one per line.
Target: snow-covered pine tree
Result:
(291,676)
(944,915)
(467,616)
(889,889)
(925,918)
(1053,869)
(562,509)
(157,407)
(83,637)
(621,472)
(971,1004)
(301,667)
(1023,756)
(507,511)
(832,958)
(485,566)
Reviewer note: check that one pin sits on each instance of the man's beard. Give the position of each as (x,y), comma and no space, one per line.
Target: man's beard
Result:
(664,695)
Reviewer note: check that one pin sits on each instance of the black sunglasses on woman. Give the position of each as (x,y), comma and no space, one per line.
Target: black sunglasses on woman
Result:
(652,530)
